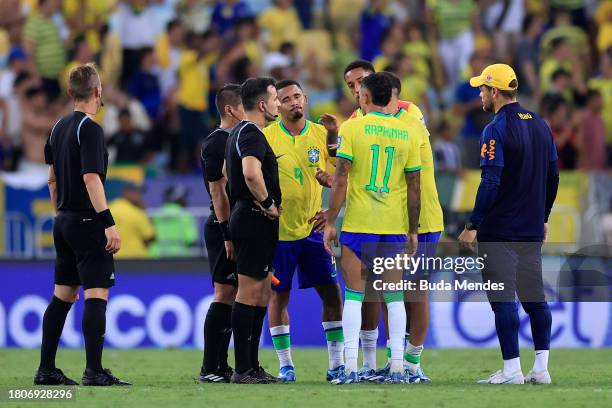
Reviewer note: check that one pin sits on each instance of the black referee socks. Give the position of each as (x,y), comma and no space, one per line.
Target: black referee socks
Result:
(217,334)
(52,327)
(260,314)
(243,317)
(94,327)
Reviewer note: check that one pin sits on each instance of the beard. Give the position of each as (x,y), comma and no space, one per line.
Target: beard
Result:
(488,107)
(297,115)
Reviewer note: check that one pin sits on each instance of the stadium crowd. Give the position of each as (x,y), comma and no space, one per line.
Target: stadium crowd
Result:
(161,62)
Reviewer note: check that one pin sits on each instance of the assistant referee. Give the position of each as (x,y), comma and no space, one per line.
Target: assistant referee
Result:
(84,232)
(519,184)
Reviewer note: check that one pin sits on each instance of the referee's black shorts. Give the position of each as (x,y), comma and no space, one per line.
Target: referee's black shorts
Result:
(255,238)
(222,269)
(81,257)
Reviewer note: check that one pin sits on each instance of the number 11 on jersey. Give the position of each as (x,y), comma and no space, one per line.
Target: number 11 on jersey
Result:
(374,171)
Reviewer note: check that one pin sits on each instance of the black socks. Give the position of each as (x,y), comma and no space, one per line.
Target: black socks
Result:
(259,315)
(243,317)
(94,327)
(52,327)
(217,335)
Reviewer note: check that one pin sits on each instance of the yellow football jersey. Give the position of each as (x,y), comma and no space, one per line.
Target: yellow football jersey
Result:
(431,218)
(381,148)
(298,158)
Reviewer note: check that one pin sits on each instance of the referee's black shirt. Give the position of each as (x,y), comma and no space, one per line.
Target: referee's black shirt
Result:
(76,147)
(246,139)
(212,157)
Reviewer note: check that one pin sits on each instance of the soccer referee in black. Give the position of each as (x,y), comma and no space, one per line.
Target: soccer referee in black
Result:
(218,322)
(84,232)
(519,184)
(252,173)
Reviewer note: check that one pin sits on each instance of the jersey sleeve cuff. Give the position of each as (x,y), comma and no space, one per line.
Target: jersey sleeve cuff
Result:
(344,156)
(411,169)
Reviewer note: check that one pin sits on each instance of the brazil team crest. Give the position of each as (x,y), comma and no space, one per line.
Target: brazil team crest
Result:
(313,154)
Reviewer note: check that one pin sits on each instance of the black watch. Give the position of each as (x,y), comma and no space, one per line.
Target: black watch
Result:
(470,226)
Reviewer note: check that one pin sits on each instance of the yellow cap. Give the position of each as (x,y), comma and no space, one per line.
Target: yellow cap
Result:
(496,76)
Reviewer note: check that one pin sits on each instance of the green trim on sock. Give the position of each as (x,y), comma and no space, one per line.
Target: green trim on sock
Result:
(335,334)
(352,295)
(412,359)
(393,297)
(282,341)
(388,352)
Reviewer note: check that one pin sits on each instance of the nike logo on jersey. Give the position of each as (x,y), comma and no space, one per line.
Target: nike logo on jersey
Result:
(87,219)
(279,156)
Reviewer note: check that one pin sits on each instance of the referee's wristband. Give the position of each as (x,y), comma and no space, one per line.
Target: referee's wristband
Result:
(267,203)
(225,232)
(107,218)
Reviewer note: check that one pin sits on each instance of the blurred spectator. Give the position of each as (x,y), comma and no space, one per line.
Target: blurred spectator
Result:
(604,21)
(128,143)
(195,15)
(603,83)
(446,152)
(565,128)
(137,31)
(418,50)
(283,64)
(561,85)
(144,85)
(226,13)
(81,54)
(15,45)
(414,87)
(133,223)
(574,7)
(111,58)
(176,228)
(563,28)
(503,19)
(192,98)
(242,69)
(454,20)
(86,18)
(468,105)
(280,23)
(115,101)
(372,26)
(592,144)
(12,114)
(561,57)
(17,62)
(389,48)
(168,51)
(36,124)
(527,61)
(43,42)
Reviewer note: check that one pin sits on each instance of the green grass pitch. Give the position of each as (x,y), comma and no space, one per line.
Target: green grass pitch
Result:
(167,378)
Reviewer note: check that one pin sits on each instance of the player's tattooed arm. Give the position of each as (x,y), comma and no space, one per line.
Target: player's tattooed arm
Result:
(413,179)
(338,189)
